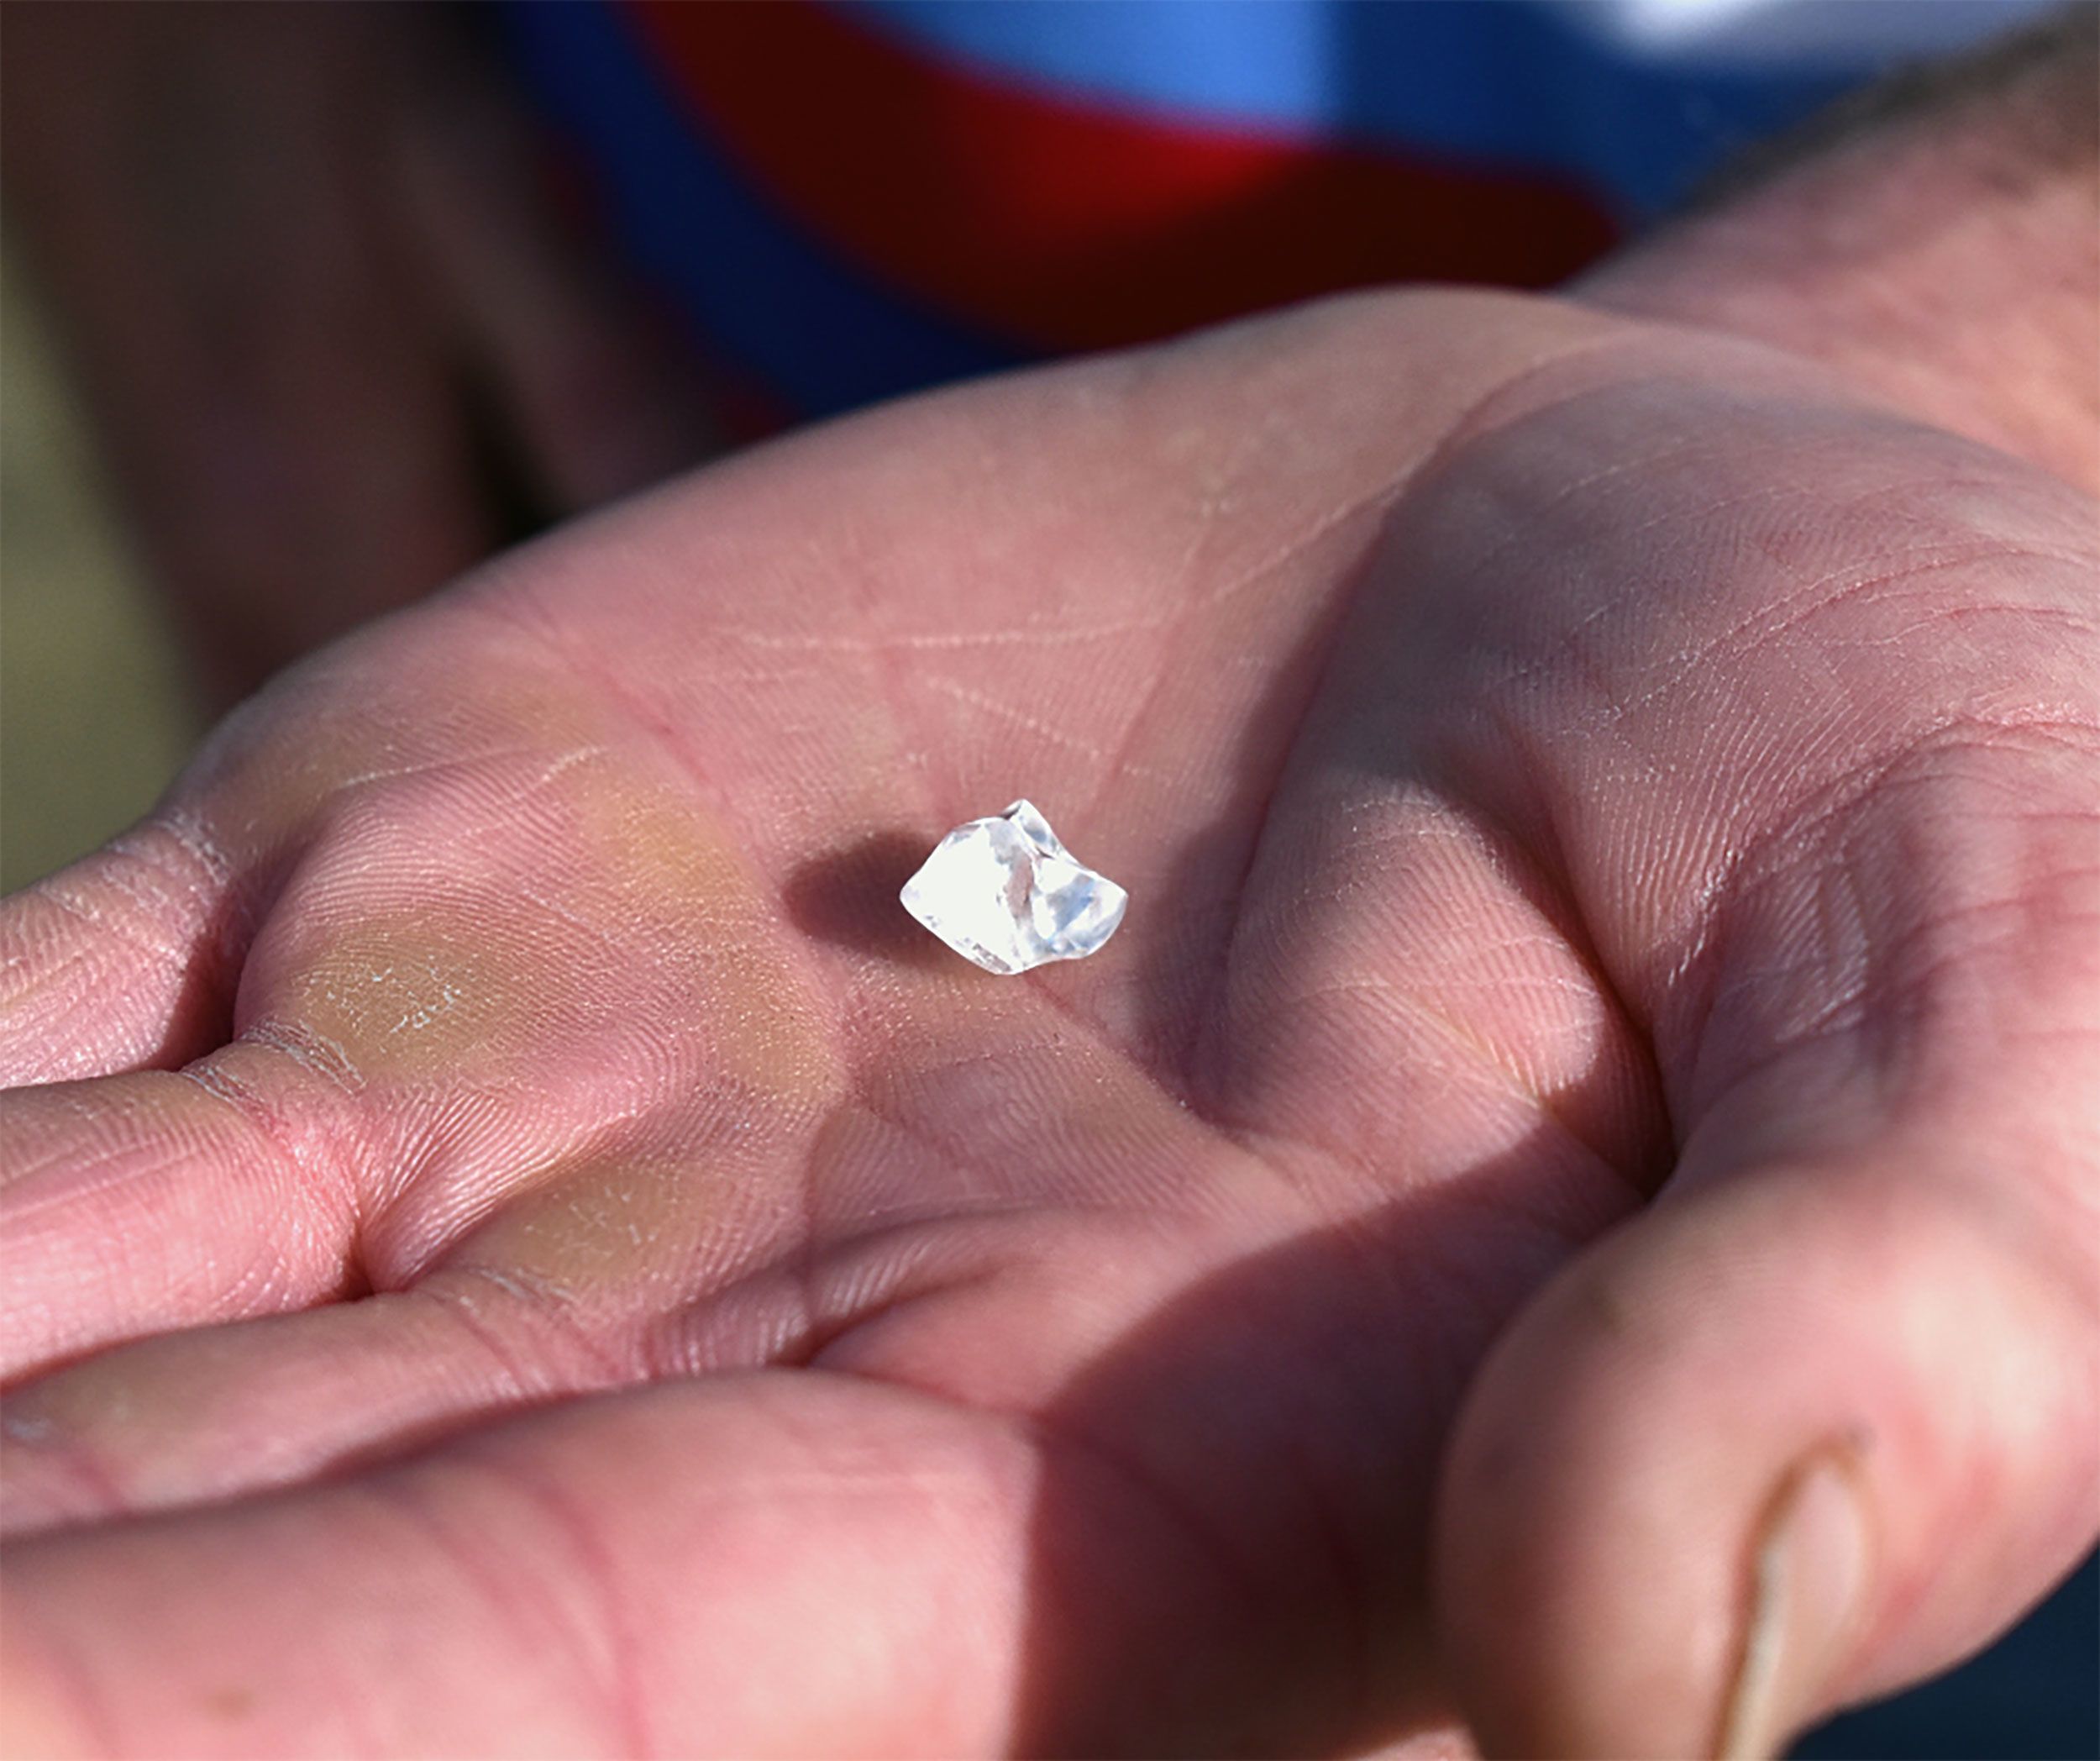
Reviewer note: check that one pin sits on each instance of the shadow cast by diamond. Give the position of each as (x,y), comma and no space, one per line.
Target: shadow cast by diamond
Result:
(848,897)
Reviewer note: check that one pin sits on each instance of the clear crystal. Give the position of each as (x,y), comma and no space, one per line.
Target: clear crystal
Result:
(1005,893)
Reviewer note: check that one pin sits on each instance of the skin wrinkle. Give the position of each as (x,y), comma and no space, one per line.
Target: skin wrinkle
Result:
(400,988)
(571,919)
(161,850)
(191,833)
(1846,592)
(1205,1073)
(1625,1028)
(326,1155)
(462,1225)
(1704,516)
(1415,837)
(523,613)
(1985,553)
(1207,1055)
(1571,915)
(1541,667)
(423,770)
(618,1679)
(1851,997)
(311,1051)
(2070,622)
(1017,717)
(1218,464)
(903,1284)
(1947,497)
(90,1486)
(84,912)
(1491,558)
(403,1495)
(1926,978)
(1284,1156)
(304,1172)
(715,943)
(1157,1079)
(1043,1432)
(805,1257)
(1765,859)
(537,1314)
(911,1236)
(903,1118)
(807,1338)
(1058,636)
(907,731)
(1481,1056)
(516,1383)
(1372,502)
(1616,1026)
(815,1249)
(26,1175)
(275,1463)
(27,974)
(583,1233)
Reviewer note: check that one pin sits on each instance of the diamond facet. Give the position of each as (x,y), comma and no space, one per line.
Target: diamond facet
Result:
(1003,892)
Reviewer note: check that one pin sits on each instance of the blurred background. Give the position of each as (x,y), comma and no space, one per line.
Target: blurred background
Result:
(329,301)
(304,309)
(96,715)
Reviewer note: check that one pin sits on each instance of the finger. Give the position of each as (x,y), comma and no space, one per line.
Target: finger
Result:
(1797,1441)
(772,1564)
(605,395)
(382,987)
(250,1405)
(1823,1421)
(124,961)
(161,1199)
(656,1250)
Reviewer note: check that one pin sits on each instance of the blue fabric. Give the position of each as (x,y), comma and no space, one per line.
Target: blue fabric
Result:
(814,331)
(2033,1696)
(1504,82)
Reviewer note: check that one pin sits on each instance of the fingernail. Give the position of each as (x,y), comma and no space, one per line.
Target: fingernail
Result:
(1810,1577)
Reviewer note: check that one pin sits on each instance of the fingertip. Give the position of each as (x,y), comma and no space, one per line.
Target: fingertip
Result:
(1777,1446)
(122,961)
(1810,1571)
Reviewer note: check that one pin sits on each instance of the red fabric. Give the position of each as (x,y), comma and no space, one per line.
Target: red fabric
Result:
(1065,225)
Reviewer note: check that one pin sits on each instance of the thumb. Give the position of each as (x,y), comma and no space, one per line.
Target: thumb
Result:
(1802,1435)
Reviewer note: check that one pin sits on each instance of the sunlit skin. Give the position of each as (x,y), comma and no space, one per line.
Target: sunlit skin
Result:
(1609,1011)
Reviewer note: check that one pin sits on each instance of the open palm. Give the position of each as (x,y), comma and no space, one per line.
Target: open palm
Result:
(573,1268)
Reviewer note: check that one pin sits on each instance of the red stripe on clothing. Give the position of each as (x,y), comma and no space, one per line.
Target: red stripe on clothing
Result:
(1066,225)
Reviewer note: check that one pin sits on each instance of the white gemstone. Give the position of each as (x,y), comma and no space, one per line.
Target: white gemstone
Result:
(1003,892)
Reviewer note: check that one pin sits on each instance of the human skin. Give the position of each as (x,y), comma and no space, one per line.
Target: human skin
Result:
(517,1244)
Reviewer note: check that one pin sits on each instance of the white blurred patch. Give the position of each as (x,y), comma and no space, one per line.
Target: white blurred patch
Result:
(1818,35)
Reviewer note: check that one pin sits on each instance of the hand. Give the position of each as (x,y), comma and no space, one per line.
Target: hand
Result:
(341,342)
(1614,830)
